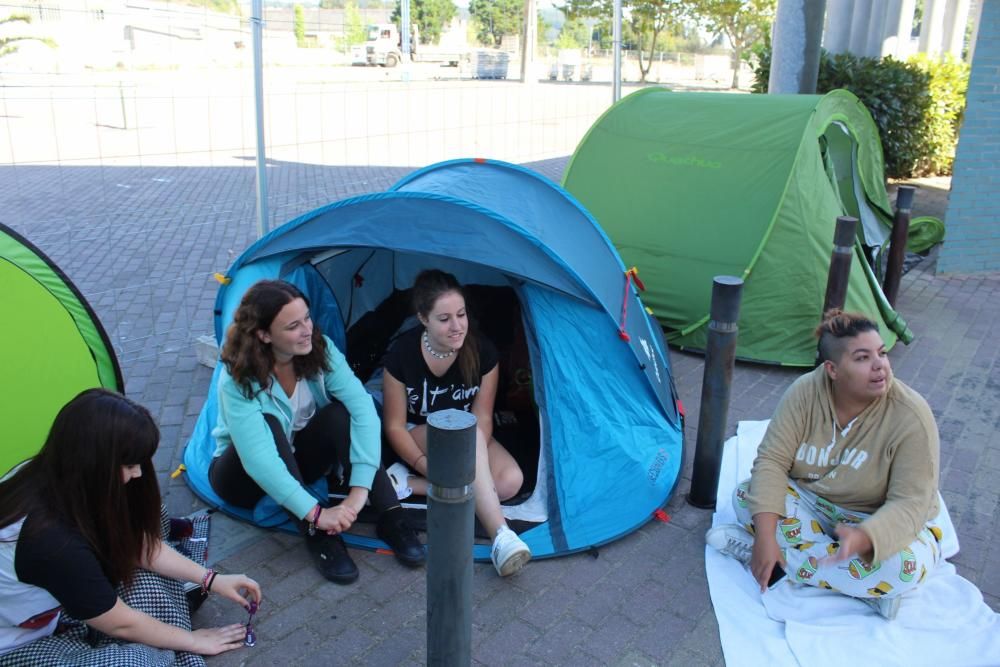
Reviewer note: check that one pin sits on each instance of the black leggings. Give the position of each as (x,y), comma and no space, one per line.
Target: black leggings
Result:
(325,441)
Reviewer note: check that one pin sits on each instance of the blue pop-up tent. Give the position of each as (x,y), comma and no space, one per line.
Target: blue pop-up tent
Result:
(609,437)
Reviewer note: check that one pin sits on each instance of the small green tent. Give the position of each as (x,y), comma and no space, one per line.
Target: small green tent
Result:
(689,186)
(52,347)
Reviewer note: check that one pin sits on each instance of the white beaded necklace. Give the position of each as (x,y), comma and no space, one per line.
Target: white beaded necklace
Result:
(434,353)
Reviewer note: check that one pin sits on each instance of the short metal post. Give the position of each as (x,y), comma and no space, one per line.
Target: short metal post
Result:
(720,357)
(451,469)
(840,262)
(121,98)
(897,242)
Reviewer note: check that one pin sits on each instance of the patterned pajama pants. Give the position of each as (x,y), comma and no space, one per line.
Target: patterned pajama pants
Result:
(807,540)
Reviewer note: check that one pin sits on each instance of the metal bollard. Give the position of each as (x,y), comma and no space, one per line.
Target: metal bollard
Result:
(897,243)
(451,468)
(720,357)
(840,262)
(121,98)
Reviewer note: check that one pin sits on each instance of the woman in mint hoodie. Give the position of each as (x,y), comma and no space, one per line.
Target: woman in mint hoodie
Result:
(291,410)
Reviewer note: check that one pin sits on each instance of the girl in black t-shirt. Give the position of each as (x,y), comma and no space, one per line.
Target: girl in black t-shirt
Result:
(443,365)
(78,520)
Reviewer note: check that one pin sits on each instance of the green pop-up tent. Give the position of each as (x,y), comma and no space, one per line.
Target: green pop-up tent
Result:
(52,347)
(689,186)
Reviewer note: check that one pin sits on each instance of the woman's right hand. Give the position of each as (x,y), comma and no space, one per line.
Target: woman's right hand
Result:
(212,641)
(766,554)
(336,519)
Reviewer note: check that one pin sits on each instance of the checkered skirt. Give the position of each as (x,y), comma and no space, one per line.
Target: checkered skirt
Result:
(77,645)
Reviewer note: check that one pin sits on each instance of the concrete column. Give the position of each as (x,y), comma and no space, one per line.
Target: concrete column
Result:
(798,31)
(858,44)
(528,42)
(932,27)
(837,33)
(977,13)
(898,26)
(404,30)
(956,18)
(876,28)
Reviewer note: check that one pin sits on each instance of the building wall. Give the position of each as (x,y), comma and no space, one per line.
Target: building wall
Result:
(972,236)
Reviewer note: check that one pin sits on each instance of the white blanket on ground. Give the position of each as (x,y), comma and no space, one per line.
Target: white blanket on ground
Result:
(944,623)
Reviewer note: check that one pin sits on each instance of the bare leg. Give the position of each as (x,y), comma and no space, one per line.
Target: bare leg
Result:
(507,475)
(487,499)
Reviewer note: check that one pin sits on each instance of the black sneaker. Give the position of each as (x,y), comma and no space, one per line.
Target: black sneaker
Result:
(393,529)
(331,557)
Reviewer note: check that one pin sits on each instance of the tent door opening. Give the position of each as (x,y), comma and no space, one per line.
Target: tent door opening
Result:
(495,312)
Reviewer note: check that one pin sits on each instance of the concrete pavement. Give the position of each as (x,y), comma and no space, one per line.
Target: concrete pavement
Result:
(642,600)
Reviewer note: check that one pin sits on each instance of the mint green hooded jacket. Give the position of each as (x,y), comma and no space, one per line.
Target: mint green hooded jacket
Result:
(241,424)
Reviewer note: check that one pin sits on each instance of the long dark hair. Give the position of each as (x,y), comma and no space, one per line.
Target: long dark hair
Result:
(836,327)
(430,286)
(76,478)
(250,359)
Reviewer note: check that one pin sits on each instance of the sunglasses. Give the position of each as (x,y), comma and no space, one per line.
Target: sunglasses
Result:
(251,637)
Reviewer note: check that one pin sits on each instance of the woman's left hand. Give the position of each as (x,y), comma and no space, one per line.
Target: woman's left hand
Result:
(853,542)
(237,587)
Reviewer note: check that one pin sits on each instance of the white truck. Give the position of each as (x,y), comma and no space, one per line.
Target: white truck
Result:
(383,48)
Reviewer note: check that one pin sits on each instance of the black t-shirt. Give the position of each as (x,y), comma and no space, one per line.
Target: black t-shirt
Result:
(58,559)
(426,392)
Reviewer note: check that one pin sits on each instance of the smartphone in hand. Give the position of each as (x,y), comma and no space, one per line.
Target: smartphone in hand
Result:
(777,574)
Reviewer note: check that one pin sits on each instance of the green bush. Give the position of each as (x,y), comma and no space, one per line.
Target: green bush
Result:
(949,81)
(917,105)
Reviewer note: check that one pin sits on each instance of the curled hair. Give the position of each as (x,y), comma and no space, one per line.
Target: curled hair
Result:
(249,359)
(76,478)
(836,327)
(430,286)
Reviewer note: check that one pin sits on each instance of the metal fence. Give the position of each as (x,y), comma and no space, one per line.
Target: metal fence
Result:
(127,149)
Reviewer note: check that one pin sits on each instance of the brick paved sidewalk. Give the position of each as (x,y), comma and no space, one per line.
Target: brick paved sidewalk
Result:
(642,600)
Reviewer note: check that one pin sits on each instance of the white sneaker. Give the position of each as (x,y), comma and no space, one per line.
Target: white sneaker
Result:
(509,552)
(400,475)
(731,540)
(887,608)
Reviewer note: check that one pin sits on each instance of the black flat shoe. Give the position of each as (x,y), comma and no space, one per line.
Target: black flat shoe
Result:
(393,529)
(330,555)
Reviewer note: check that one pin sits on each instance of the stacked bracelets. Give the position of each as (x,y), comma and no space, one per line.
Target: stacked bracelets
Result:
(207,580)
(313,519)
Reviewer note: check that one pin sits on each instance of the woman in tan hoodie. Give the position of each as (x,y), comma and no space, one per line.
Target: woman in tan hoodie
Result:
(844,487)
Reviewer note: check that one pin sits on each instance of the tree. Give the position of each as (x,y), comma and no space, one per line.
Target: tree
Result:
(745,23)
(574,35)
(354,27)
(648,19)
(7,45)
(430,16)
(496,18)
(299,26)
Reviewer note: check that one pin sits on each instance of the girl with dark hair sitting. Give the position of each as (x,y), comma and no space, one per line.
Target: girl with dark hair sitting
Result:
(290,411)
(843,492)
(77,522)
(445,365)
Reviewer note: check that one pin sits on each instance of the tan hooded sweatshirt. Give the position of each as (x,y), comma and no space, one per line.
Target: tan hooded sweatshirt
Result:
(886,464)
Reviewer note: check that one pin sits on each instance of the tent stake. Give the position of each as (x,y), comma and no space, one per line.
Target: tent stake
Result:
(897,243)
(720,357)
(451,468)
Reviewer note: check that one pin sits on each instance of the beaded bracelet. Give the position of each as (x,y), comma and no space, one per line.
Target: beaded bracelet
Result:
(206,580)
